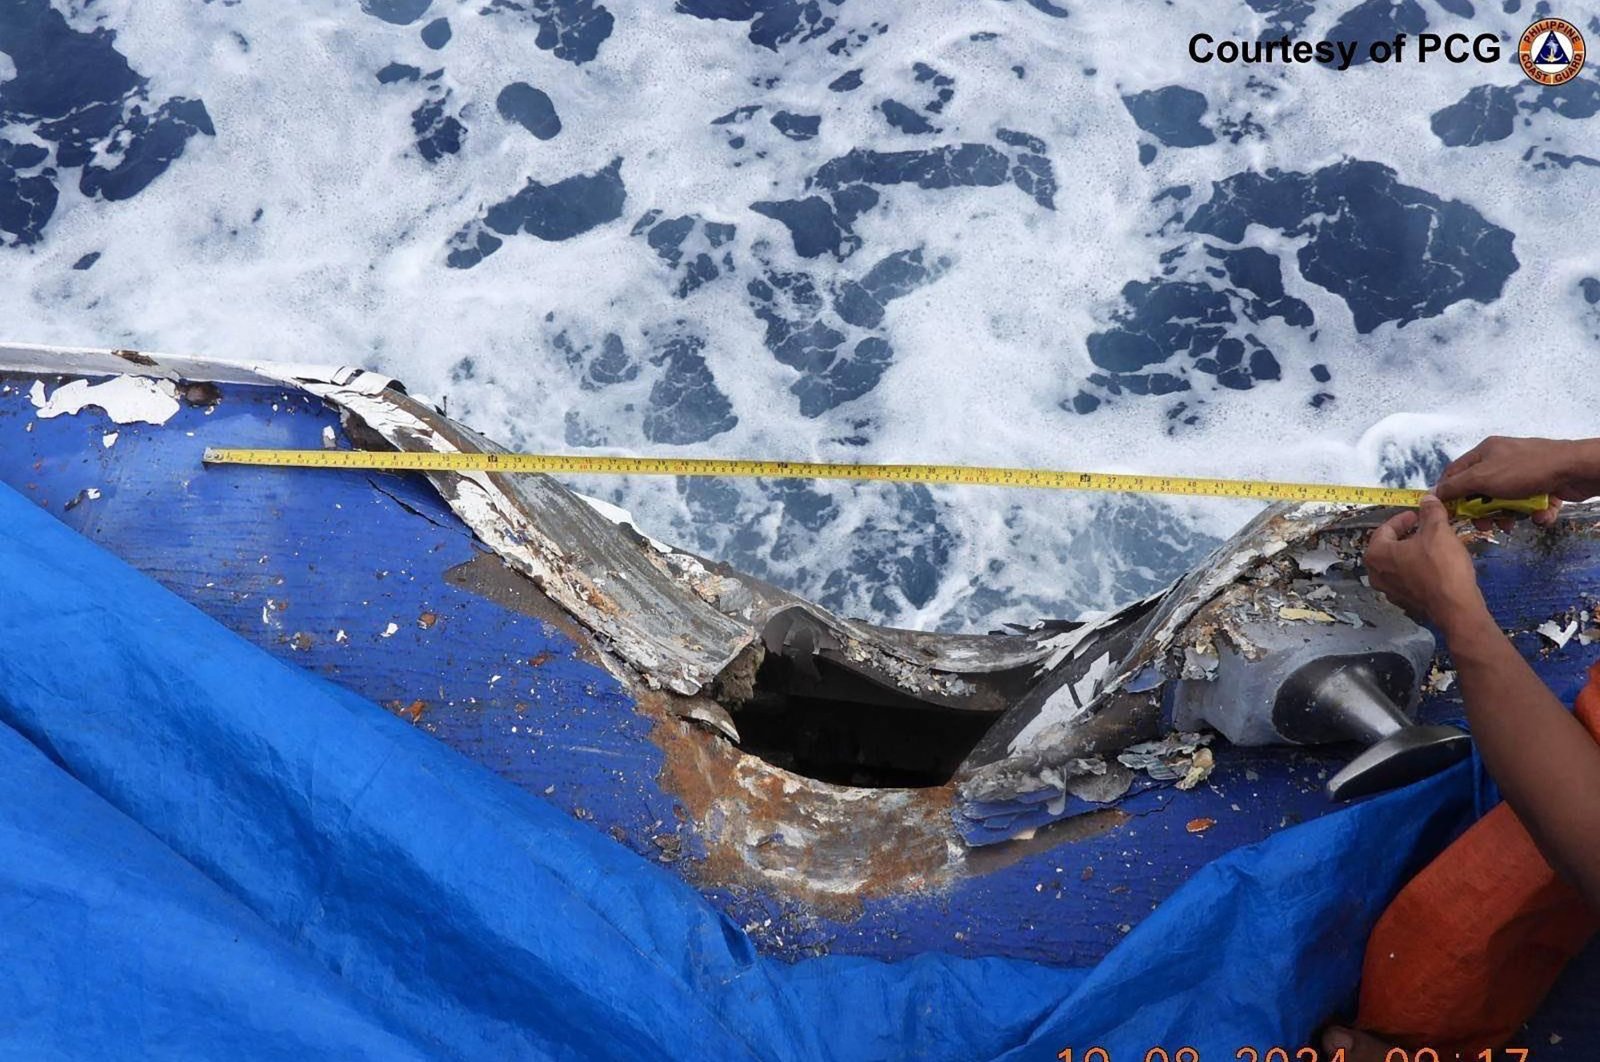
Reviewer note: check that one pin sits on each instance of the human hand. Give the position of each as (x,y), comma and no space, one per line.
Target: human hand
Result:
(1417,561)
(1501,467)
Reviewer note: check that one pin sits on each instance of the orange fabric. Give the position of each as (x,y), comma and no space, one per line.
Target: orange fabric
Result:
(1466,952)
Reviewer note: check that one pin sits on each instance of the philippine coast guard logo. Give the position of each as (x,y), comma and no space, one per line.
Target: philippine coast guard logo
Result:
(1551,51)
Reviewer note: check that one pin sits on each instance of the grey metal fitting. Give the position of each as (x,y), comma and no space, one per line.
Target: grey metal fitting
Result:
(1309,681)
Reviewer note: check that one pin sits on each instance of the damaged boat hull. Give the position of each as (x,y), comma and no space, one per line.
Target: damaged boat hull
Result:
(379,584)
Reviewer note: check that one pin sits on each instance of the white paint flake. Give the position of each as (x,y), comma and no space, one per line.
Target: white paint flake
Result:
(1317,561)
(1556,633)
(1087,686)
(125,399)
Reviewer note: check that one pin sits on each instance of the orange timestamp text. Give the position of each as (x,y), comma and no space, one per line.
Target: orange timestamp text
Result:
(1297,1054)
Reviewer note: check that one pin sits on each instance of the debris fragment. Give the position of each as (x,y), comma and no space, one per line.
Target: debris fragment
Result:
(329,440)
(1146,680)
(1200,825)
(1200,662)
(427,620)
(1200,767)
(1440,679)
(1308,615)
(411,712)
(390,631)
(1174,757)
(86,494)
(1317,561)
(1096,781)
(1557,634)
(708,715)
(671,845)
(109,439)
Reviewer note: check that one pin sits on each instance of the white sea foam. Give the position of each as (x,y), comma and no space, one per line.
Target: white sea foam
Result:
(346,263)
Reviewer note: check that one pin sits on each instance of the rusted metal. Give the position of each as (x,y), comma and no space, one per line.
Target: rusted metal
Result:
(829,847)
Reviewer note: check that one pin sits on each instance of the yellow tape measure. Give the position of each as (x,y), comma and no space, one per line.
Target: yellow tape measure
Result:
(967,475)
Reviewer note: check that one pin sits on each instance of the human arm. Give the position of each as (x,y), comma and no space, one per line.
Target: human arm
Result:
(1546,764)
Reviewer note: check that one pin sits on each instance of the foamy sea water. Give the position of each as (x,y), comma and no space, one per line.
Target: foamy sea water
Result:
(1022,233)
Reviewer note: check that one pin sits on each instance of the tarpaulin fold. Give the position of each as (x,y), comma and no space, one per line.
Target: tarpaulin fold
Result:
(207,852)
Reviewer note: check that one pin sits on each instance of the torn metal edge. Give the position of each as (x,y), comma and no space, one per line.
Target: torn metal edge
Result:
(699,616)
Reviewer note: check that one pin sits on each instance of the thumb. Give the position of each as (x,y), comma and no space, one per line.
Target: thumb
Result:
(1461,483)
(1395,528)
(1432,512)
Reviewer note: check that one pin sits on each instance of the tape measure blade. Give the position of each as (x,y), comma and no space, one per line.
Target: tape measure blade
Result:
(969,475)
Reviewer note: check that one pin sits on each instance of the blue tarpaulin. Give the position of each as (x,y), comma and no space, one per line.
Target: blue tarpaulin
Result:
(206,852)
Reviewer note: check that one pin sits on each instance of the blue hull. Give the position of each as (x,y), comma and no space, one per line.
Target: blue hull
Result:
(371,580)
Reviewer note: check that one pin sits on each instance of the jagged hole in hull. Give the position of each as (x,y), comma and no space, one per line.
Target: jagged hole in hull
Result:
(828,723)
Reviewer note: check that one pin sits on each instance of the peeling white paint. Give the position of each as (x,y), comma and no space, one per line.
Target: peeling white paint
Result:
(499,522)
(1087,686)
(1558,635)
(1074,642)
(125,399)
(1317,561)
(1059,711)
